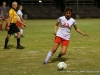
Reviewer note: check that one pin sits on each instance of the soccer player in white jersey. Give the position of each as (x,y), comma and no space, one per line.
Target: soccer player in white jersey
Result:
(20,16)
(4,10)
(62,36)
(1,15)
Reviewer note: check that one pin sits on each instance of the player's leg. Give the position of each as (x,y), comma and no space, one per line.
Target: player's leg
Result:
(64,48)
(1,22)
(50,53)
(18,41)
(22,30)
(6,41)
(63,52)
(15,35)
(8,37)
(21,26)
(53,50)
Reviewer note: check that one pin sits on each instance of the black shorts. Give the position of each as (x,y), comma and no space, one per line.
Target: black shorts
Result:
(13,28)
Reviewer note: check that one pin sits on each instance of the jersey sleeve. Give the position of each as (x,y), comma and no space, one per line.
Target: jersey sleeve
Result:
(11,13)
(74,22)
(59,19)
(19,12)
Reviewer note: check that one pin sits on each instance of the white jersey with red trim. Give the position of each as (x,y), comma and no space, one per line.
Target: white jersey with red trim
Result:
(19,12)
(64,30)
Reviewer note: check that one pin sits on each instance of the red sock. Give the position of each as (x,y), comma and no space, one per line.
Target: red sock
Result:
(0,26)
(6,26)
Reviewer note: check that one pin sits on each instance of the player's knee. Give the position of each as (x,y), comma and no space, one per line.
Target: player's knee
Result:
(63,53)
(8,36)
(23,27)
(53,51)
(18,34)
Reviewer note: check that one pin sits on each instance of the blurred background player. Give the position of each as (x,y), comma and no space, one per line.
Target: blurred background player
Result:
(63,34)
(12,27)
(1,20)
(20,16)
(4,10)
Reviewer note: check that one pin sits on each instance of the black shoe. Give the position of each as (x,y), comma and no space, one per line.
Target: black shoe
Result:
(20,47)
(6,48)
(44,63)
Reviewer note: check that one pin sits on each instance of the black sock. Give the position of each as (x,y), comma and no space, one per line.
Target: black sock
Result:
(6,42)
(18,42)
(59,56)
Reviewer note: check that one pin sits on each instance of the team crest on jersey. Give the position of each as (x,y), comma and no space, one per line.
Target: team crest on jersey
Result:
(66,25)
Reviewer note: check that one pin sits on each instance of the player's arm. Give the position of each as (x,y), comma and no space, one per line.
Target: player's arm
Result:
(79,31)
(2,13)
(8,21)
(22,18)
(21,22)
(56,27)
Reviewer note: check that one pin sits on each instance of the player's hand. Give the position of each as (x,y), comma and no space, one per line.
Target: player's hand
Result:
(24,25)
(24,21)
(85,35)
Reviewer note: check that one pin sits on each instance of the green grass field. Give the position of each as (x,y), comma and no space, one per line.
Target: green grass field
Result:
(82,56)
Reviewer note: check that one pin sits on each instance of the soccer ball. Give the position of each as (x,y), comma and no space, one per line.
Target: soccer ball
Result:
(62,65)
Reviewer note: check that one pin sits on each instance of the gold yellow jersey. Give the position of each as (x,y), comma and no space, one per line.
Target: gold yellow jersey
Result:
(13,15)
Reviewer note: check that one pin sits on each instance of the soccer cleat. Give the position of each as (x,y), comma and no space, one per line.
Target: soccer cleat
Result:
(6,48)
(59,56)
(45,63)
(20,47)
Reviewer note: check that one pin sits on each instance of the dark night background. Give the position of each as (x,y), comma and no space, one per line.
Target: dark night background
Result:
(9,2)
(59,2)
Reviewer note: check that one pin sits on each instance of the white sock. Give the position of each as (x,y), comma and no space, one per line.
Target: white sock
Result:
(48,56)
(15,34)
(21,31)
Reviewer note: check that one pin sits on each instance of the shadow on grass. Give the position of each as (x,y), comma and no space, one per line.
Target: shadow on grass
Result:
(62,59)
(11,46)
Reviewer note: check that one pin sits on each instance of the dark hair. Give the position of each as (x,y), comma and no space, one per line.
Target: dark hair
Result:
(19,6)
(68,9)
